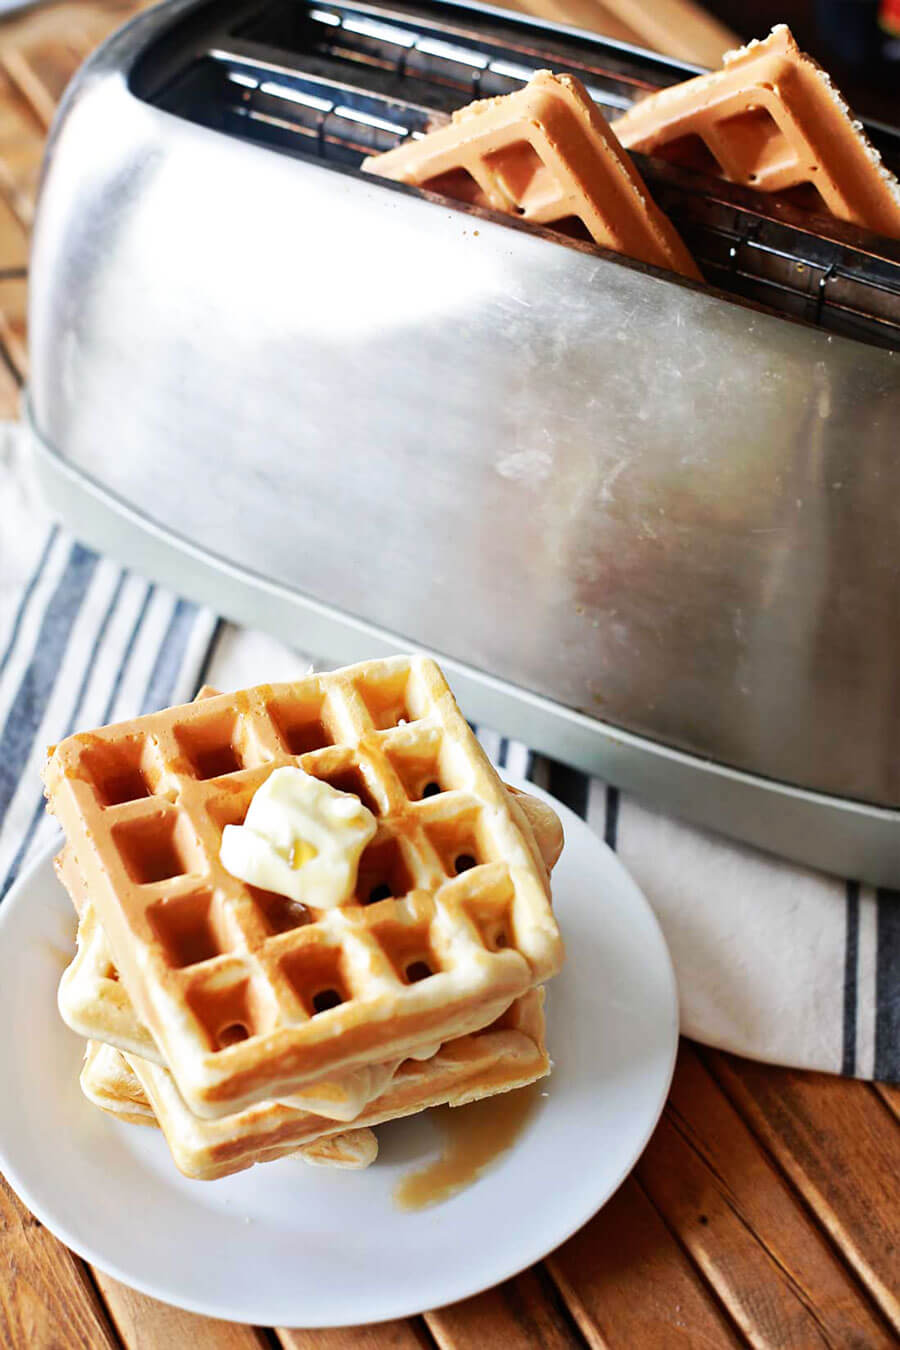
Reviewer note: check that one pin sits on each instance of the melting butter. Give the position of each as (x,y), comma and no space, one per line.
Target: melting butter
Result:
(301,838)
(302,852)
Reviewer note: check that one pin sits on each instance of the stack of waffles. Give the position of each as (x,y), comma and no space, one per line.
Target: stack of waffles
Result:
(770,119)
(248,1026)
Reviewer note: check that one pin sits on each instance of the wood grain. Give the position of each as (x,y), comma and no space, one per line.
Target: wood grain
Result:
(144,1323)
(21,150)
(629,1285)
(13,239)
(522,1314)
(9,389)
(839,1147)
(676,27)
(890,1095)
(378,1336)
(587,14)
(21,74)
(47,1301)
(746,1228)
(13,320)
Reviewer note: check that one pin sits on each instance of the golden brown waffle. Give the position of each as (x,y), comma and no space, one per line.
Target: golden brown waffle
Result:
(545,154)
(351,1149)
(94,1003)
(546,826)
(249,996)
(92,999)
(771,119)
(509,1054)
(108,1081)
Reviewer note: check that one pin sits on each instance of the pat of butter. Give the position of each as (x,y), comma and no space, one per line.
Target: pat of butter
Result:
(301,838)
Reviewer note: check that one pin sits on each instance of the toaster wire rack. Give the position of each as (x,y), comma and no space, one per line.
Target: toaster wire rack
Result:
(337,82)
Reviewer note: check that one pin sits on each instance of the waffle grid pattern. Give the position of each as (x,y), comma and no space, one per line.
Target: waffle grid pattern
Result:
(94,1004)
(508,1054)
(244,991)
(770,119)
(546,154)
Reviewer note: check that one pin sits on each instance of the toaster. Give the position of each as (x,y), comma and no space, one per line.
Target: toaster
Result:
(649,526)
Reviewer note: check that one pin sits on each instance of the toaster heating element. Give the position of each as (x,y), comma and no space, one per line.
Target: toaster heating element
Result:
(647,525)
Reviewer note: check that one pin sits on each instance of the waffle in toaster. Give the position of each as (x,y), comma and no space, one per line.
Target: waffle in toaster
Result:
(771,119)
(509,1054)
(250,997)
(546,154)
(108,1080)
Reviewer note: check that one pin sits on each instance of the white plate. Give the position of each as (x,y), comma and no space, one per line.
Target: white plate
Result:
(289,1245)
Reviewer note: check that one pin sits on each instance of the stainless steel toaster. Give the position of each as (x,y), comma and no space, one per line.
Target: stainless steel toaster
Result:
(649,526)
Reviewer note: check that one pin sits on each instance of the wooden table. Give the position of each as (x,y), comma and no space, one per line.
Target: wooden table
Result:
(765,1209)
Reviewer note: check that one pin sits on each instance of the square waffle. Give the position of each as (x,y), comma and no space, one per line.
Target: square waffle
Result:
(771,119)
(94,1003)
(510,1053)
(546,154)
(108,1081)
(248,996)
(465,1070)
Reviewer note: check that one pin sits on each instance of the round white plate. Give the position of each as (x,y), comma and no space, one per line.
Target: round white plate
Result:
(285,1244)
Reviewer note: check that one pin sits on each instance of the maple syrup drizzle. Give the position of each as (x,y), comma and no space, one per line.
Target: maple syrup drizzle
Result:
(474,1136)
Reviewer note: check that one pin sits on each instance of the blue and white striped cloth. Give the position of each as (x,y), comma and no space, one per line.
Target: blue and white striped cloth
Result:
(774,961)
(82,642)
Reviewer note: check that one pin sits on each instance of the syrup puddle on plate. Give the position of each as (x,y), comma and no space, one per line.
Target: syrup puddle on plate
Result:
(474,1136)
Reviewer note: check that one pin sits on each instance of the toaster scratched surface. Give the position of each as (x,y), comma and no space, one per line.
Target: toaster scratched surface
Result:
(651,523)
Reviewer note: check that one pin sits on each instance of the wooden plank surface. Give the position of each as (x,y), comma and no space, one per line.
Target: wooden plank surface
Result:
(144,1323)
(629,1283)
(9,389)
(21,147)
(13,318)
(765,1209)
(676,27)
(380,1336)
(840,1148)
(13,240)
(890,1095)
(747,1229)
(47,1299)
(517,1315)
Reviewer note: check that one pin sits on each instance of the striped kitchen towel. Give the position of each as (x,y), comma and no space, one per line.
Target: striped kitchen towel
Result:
(82,642)
(774,961)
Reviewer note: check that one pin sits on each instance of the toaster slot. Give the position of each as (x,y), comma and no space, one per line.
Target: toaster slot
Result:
(339,81)
(471,66)
(303,114)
